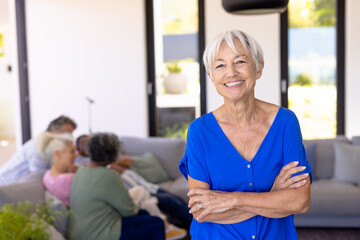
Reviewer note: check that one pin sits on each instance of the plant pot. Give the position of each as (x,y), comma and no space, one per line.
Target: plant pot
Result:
(175,83)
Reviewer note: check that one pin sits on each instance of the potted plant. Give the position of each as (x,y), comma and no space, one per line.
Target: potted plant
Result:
(174,82)
(18,221)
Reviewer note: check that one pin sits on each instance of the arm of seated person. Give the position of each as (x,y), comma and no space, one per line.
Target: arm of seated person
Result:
(124,161)
(288,195)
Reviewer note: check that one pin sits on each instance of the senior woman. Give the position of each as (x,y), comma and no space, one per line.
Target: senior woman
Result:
(102,207)
(245,161)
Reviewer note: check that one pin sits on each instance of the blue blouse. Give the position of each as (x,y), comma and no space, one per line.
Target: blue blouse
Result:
(211,158)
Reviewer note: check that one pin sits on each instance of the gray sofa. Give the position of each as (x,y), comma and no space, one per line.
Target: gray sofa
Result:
(334,203)
(168,151)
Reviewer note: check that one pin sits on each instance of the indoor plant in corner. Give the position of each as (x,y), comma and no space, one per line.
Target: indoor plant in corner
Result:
(18,221)
(174,82)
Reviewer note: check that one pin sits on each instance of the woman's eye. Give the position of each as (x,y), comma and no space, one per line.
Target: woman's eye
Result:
(240,61)
(220,66)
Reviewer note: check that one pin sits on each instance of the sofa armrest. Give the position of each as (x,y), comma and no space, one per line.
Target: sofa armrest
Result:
(18,192)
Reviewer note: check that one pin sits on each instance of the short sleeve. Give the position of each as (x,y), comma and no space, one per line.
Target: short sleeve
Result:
(293,145)
(117,194)
(193,163)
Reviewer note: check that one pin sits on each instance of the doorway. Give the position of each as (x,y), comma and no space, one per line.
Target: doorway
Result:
(7,87)
(176,77)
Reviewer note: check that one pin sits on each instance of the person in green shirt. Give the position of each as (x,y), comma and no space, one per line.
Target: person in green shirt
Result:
(100,203)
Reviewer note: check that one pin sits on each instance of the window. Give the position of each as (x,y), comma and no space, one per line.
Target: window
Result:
(175,37)
(310,84)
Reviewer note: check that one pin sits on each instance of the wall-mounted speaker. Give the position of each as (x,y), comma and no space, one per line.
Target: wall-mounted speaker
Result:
(254,6)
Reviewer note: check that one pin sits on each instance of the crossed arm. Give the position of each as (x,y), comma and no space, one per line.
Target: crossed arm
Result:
(289,195)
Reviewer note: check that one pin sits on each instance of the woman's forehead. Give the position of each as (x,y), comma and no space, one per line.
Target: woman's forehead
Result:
(238,49)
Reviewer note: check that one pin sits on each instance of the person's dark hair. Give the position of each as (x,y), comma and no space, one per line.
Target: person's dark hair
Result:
(58,122)
(103,147)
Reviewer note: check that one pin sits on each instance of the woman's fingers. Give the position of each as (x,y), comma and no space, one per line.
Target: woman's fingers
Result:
(194,200)
(197,191)
(298,184)
(298,178)
(287,167)
(284,179)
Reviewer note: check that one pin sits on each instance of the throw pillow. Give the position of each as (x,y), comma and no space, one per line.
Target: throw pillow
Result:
(356,140)
(347,163)
(59,212)
(150,168)
(310,156)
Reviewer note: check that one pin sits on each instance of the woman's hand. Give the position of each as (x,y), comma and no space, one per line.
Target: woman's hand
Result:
(209,201)
(284,179)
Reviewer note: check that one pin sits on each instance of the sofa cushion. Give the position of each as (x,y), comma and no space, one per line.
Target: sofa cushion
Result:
(18,192)
(347,163)
(324,156)
(334,198)
(356,140)
(149,167)
(168,150)
(179,187)
(310,156)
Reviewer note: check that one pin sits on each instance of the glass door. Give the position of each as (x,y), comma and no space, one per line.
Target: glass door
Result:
(312,66)
(7,88)
(177,69)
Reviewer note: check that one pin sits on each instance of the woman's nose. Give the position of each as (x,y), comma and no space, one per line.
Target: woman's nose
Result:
(231,71)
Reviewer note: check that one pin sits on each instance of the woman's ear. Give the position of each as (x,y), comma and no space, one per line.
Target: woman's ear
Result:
(209,75)
(57,154)
(259,72)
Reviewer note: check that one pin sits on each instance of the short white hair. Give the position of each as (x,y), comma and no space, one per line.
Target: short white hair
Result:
(248,42)
(48,143)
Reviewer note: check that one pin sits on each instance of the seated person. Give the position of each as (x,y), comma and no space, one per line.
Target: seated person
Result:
(60,152)
(168,203)
(102,206)
(58,149)
(83,159)
(28,159)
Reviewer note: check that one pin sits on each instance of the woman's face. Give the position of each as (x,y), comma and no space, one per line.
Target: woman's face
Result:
(67,156)
(234,74)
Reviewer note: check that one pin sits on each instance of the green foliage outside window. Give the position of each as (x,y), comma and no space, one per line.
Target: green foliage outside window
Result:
(303,80)
(312,13)
(178,130)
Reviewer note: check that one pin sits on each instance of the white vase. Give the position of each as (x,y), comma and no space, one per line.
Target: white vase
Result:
(175,83)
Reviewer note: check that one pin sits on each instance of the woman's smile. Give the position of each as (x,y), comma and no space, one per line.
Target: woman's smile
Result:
(233,84)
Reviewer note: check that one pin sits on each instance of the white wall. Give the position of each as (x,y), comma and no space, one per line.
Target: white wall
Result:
(79,48)
(266,30)
(352,71)
(75,31)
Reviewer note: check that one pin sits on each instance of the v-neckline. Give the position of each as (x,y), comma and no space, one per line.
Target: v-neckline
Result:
(234,148)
